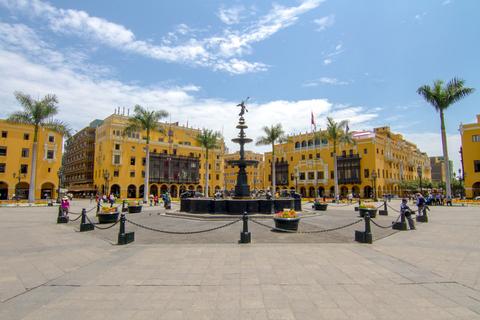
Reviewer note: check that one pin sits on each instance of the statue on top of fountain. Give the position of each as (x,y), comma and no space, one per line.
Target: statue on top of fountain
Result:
(243,107)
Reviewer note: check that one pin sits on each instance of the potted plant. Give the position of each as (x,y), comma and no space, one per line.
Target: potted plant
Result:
(134,208)
(370,208)
(107,214)
(287,220)
(321,206)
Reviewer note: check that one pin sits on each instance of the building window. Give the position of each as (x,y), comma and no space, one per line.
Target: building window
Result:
(25,152)
(49,170)
(51,139)
(50,154)
(476,165)
(24,168)
(143,174)
(115,173)
(26,136)
(310,156)
(377,150)
(132,161)
(365,151)
(318,155)
(4,134)
(117,146)
(132,174)
(350,152)
(2,167)
(476,138)
(144,161)
(366,173)
(311,175)
(320,175)
(217,177)
(302,176)
(332,175)
(303,157)
(3,151)
(116,159)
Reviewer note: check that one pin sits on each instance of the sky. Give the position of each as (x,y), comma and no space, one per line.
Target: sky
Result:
(356,60)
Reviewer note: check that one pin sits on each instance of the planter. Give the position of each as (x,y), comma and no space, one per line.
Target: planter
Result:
(134,209)
(287,223)
(372,212)
(320,206)
(107,217)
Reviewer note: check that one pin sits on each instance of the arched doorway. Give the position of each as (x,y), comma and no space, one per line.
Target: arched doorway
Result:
(343,191)
(163,189)
(311,192)
(191,188)
(173,191)
(332,191)
(46,190)
(115,189)
(154,189)
(303,192)
(367,192)
(199,189)
(356,191)
(3,191)
(21,190)
(131,191)
(182,189)
(476,189)
(321,191)
(141,191)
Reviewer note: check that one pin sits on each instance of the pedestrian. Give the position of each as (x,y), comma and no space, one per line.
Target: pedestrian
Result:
(112,200)
(65,206)
(406,212)
(350,197)
(155,200)
(420,204)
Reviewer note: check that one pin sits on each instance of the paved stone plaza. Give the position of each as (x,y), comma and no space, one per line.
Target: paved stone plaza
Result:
(51,271)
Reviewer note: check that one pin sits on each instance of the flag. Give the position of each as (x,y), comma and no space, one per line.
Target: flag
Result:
(313,122)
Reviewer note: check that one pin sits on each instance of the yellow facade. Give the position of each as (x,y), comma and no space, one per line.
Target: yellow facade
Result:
(16,143)
(119,159)
(310,164)
(471,157)
(255,174)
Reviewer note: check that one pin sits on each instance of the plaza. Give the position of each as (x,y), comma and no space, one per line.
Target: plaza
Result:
(52,271)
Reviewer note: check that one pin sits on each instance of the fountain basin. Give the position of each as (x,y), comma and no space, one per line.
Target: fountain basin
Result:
(237,206)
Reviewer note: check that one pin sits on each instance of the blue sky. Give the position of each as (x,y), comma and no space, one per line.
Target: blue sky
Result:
(355,60)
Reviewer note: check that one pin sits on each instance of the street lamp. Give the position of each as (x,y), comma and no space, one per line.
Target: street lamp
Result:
(374,178)
(419,172)
(19,177)
(106,176)
(296,180)
(59,175)
(460,179)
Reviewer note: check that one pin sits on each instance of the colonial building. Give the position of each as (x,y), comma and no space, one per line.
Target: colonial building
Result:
(255,174)
(471,157)
(177,162)
(78,161)
(378,162)
(438,169)
(16,143)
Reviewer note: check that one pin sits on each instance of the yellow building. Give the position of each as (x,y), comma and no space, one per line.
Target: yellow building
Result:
(16,142)
(176,160)
(255,174)
(379,161)
(471,157)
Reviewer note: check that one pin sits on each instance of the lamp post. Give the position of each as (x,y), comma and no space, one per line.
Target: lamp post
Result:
(419,172)
(374,178)
(460,179)
(19,177)
(59,175)
(106,176)
(296,180)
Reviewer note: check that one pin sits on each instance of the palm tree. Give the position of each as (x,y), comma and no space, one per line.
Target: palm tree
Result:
(147,120)
(37,113)
(441,97)
(208,139)
(273,134)
(336,133)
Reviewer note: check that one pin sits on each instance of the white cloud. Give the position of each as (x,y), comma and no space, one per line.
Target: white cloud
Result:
(324,22)
(231,15)
(221,52)
(325,80)
(327,61)
(329,57)
(420,16)
(446,2)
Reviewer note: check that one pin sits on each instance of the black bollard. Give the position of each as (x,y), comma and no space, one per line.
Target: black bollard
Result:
(364,236)
(359,203)
(423,218)
(61,218)
(124,207)
(401,225)
(84,225)
(384,212)
(245,236)
(124,237)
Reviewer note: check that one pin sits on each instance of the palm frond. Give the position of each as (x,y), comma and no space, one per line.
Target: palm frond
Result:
(20,117)
(58,126)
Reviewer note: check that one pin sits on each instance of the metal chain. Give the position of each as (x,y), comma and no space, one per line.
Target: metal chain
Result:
(79,216)
(393,208)
(306,232)
(95,225)
(89,210)
(182,232)
(380,226)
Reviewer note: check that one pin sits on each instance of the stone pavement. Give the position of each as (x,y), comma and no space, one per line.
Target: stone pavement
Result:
(50,271)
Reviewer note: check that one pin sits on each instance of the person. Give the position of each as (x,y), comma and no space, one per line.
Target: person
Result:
(166,200)
(420,203)
(350,197)
(111,200)
(268,195)
(65,206)
(150,197)
(449,201)
(155,200)
(406,212)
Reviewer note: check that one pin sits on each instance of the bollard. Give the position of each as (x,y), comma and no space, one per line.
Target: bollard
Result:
(402,224)
(245,236)
(359,203)
(384,212)
(364,236)
(424,217)
(123,237)
(61,218)
(124,207)
(84,226)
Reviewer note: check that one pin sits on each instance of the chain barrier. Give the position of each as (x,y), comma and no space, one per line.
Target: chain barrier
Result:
(380,226)
(181,232)
(306,232)
(95,225)
(79,216)
(89,210)
(393,208)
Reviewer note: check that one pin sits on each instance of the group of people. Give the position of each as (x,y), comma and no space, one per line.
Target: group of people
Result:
(165,197)
(407,212)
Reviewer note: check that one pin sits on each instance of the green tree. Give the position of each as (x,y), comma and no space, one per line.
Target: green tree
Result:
(208,139)
(441,97)
(37,113)
(146,120)
(273,134)
(337,134)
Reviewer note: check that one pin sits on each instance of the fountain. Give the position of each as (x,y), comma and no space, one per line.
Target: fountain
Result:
(242,201)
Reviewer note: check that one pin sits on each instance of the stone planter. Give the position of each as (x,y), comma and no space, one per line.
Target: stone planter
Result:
(107,217)
(320,206)
(372,212)
(134,209)
(287,223)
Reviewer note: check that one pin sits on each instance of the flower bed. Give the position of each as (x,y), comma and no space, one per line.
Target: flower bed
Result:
(286,220)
